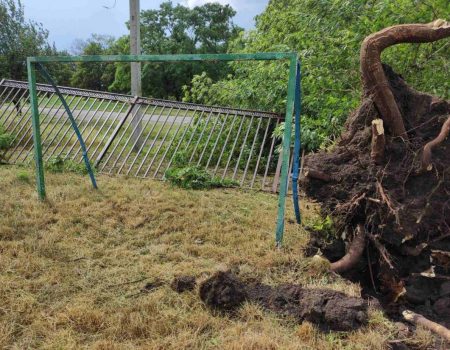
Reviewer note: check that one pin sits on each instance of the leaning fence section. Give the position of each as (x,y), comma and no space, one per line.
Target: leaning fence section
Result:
(143,137)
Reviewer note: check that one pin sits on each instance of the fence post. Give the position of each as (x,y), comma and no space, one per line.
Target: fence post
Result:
(286,150)
(40,181)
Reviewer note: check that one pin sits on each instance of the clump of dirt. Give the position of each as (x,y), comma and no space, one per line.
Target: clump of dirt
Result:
(328,309)
(182,284)
(404,209)
(223,291)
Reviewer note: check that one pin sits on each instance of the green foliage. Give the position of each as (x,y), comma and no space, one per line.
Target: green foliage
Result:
(195,178)
(20,39)
(174,29)
(327,35)
(59,165)
(323,225)
(6,139)
(99,75)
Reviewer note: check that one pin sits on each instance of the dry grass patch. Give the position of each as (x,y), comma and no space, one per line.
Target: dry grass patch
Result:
(73,269)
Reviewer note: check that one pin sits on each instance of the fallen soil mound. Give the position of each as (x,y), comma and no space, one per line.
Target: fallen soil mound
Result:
(402,208)
(182,284)
(328,309)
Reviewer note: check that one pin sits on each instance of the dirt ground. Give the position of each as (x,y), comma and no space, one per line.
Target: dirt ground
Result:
(92,269)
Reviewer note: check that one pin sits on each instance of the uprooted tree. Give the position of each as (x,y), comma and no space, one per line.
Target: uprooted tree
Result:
(387,182)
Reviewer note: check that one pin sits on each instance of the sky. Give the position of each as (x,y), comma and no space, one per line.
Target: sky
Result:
(68,20)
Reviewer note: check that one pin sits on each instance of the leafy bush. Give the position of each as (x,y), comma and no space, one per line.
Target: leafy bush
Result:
(6,139)
(59,165)
(195,178)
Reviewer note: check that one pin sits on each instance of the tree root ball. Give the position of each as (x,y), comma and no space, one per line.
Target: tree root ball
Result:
(328,309)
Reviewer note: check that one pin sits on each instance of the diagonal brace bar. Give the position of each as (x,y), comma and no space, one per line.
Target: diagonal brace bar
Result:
(47,77)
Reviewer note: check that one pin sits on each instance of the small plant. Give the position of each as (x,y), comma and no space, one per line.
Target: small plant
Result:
(59,165)
(6,139)
(323,225)
(23,176)
(196,178)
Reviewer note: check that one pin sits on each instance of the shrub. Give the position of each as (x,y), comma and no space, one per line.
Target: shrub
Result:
(6,139)
(195,178)
(59,165)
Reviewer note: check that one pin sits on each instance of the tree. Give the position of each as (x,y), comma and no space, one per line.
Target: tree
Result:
(175,30)
(18,40)
(94,76)
(327,35)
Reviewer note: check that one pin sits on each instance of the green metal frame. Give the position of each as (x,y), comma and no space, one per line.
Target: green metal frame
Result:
(264,56)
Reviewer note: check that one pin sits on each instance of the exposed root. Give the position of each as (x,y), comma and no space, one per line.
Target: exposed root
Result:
(419,320)
(426,155)
(376,84)
(354,253)
(382,250)
(386,199)
(317,174)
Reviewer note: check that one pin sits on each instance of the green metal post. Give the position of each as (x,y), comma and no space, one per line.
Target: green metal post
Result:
(40,182)
(286,151)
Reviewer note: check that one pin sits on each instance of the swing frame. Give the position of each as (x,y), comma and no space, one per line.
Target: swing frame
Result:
(293,107)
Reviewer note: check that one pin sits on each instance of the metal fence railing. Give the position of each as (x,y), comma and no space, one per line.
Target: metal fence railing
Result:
(143,137)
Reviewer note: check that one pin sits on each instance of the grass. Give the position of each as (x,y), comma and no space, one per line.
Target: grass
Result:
(71,268)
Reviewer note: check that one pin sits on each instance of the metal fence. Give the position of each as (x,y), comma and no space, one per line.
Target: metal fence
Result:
(143,137)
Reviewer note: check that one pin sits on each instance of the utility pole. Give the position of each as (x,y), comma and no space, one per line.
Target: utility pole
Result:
(135,48)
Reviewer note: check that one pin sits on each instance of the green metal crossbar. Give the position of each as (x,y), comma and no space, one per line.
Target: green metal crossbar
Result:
(293,85)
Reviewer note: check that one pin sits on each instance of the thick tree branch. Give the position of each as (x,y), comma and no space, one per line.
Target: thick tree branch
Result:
(374,79)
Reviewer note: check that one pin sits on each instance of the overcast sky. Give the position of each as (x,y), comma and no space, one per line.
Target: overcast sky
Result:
(68,20)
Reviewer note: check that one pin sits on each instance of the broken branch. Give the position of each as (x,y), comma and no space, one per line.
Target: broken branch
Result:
(418,319)
(378,141)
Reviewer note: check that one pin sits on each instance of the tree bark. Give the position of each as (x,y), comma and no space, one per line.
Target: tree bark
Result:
(374,79)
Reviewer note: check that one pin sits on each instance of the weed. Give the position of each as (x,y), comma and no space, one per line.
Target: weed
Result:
(196,178)
(59,165)
(23,176)
(6,139)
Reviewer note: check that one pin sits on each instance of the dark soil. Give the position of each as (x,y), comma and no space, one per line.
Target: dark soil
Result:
(181,284)
(405,211)
(328,309)
(223,291)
